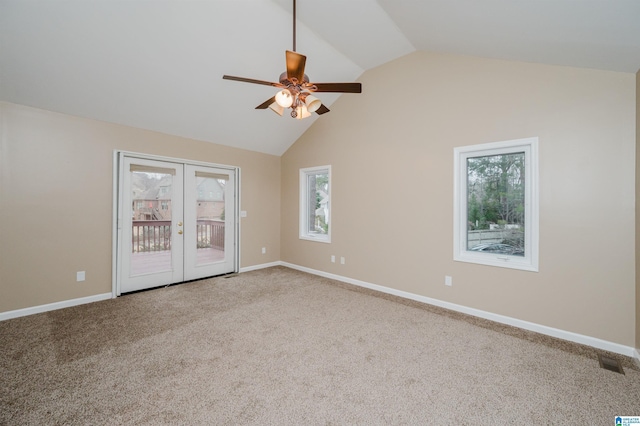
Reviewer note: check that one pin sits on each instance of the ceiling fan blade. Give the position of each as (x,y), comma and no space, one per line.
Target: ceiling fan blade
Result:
(322,110)
(266,103)
(338,87)
(295,65)
(250,80)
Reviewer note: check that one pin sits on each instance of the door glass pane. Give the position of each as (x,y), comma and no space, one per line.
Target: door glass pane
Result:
(210,216)
(495,204)
(151,220)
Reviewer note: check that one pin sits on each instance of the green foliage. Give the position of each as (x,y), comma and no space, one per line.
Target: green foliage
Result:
(203,244)
(322,185)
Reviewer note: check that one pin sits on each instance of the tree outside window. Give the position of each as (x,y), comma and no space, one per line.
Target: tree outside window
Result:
(495,201)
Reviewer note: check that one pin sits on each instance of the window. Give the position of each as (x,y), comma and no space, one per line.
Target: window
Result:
(315,204)
(496,204)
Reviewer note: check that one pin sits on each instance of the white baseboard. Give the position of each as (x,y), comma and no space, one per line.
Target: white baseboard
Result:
(549,331)
(542,329)
(261,266)
(53,306)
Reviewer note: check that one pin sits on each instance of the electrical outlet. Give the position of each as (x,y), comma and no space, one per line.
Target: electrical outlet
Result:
(333,259)
(342,261)
(80,276)
(264,250)
(448,280)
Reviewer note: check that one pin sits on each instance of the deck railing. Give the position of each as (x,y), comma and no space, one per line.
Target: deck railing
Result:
(210,234)
(155,235)
(151,235)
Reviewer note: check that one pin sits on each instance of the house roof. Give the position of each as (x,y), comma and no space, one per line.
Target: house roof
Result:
(145,187)
(158,64)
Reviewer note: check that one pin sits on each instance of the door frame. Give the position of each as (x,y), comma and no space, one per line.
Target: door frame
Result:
(117,221)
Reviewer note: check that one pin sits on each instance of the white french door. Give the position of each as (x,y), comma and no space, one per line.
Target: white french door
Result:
(176,222)
(209,221)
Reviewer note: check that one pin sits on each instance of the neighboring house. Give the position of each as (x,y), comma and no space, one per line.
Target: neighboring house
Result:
(210,198)
(152,197)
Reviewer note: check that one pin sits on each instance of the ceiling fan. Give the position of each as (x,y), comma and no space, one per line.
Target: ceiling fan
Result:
(296,89)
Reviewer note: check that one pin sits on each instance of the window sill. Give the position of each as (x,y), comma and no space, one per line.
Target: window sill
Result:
(320,238)
(500,261)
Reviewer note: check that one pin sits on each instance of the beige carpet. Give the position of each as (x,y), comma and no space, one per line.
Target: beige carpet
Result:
(279,347)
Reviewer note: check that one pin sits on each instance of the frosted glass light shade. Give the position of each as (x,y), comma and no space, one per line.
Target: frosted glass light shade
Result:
(303,112)
(312,103)
(284,98)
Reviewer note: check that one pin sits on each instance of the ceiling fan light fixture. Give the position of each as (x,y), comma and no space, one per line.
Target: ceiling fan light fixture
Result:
(284,98)
(276,108)
(312,103)
(302,112)
(295,87)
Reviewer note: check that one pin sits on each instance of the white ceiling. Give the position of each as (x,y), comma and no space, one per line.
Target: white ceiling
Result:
(158,64)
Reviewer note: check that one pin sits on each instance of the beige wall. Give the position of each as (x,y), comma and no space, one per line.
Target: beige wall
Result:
(56,201)
(391,151)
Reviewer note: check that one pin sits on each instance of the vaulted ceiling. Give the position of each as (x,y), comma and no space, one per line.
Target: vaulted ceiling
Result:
(158,64)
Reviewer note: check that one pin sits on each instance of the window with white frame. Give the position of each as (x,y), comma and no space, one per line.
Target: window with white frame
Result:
(496,204)
(315,204)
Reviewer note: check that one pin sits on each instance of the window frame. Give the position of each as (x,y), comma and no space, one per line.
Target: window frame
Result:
(304,205)
(528,262)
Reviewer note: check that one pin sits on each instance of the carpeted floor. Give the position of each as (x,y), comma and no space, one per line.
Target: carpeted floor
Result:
(279,347)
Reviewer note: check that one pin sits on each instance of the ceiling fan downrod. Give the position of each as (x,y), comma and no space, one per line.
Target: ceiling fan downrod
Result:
(294,25)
